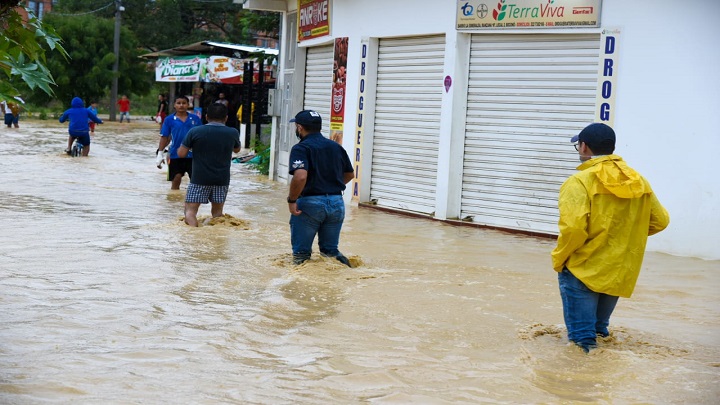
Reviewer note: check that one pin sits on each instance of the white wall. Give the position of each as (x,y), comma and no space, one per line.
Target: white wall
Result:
(667,106)
(668,113)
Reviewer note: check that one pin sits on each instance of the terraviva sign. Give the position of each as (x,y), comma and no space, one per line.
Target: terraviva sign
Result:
(478,14)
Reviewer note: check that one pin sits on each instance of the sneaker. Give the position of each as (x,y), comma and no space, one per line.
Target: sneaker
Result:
(67,151)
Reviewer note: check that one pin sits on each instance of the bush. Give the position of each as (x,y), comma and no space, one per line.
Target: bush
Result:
(261,162)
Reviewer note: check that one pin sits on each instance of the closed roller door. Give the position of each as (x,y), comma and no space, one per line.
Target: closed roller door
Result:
(527,96)
(318,83)
(407,123)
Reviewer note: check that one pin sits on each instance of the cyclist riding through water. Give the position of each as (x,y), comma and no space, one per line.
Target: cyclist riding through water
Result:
(79,128)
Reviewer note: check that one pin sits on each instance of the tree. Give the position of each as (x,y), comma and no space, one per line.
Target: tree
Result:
(23,47)
(164,24)
(87,72)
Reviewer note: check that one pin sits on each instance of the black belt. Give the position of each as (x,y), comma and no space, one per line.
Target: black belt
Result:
(317,194)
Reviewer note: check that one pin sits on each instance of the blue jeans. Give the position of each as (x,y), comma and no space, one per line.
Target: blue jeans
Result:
(322,215)
(587,313)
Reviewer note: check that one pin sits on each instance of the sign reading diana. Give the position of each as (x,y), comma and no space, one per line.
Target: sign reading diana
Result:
(491,14)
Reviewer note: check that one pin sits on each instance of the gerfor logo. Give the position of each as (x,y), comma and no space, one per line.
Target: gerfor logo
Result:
(499,11)
(467,9)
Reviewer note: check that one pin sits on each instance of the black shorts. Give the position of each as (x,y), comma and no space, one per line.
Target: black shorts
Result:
(179,166)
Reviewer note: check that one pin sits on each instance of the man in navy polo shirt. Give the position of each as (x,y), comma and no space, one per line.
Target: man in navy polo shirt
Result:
(320,169)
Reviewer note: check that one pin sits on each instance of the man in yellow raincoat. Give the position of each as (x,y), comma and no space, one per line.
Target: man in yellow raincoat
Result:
(607,212)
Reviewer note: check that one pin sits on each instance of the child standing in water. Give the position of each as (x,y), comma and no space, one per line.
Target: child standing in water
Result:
(92,109)
(124,104)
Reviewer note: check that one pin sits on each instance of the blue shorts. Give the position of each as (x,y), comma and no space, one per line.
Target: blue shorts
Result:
(83,138)
(11,119)
(200,194)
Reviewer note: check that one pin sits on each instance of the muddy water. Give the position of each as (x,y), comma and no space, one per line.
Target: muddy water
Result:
(107,298)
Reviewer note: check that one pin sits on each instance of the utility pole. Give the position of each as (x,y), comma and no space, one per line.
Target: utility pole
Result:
(114,91)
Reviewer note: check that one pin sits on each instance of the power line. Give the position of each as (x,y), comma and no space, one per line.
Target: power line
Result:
(88,12)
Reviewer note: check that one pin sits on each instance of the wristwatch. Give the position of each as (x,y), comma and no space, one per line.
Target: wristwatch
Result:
(291,201)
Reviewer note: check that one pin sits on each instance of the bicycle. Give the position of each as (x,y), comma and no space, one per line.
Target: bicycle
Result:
(76,149)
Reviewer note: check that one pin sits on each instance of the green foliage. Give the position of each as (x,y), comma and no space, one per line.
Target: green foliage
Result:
(262,155)
(164,24)
(23,47)
(88,71)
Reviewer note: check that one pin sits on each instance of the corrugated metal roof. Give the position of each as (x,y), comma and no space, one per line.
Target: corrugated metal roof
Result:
(212,48)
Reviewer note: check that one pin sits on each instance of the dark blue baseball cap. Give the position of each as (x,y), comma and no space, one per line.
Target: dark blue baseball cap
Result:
(308,117)
(595,136)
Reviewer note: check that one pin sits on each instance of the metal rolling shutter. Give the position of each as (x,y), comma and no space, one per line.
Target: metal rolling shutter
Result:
(527,95)
(318,83)
(407,123)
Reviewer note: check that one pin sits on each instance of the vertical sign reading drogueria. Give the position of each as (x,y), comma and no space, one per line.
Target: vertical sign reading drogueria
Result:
(337,107)
(607,76)
(360,124)
(490,14)
(313,19)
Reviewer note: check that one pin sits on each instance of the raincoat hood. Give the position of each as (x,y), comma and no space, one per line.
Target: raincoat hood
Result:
(77,103)
(616,176)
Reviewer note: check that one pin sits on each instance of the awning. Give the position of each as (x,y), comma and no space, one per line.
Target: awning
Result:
(212,48)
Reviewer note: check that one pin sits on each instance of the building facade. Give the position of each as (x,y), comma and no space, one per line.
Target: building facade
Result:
(38,8)
(463,110)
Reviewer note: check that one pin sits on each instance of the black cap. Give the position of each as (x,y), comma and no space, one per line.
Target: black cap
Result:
(308,117)
(596,136)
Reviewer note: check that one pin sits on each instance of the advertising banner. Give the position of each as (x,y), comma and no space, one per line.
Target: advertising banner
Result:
(478,14)
(200,68)
(313,19)
(179,69)
(337,109)
(221,69)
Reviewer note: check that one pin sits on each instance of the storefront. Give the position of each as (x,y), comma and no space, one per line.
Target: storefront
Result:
(463,111)
(208,71)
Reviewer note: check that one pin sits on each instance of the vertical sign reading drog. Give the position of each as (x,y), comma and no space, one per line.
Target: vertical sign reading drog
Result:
(607,76)
(337,107)
(313,19)
(360,124)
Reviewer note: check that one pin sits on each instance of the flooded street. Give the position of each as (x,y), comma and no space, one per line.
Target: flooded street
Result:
(108,298)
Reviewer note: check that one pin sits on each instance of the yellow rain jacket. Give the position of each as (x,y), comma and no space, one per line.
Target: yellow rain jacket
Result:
(607,211)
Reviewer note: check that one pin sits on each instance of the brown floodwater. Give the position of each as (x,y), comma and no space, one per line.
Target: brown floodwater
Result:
(107,297)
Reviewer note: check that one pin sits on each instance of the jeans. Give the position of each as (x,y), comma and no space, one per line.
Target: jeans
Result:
(587,313)
(322,215)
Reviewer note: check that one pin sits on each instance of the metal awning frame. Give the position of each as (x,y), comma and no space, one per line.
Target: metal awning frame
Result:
(212,48)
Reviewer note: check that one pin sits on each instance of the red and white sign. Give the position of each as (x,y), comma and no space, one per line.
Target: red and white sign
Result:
(313,19)
(337,109)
